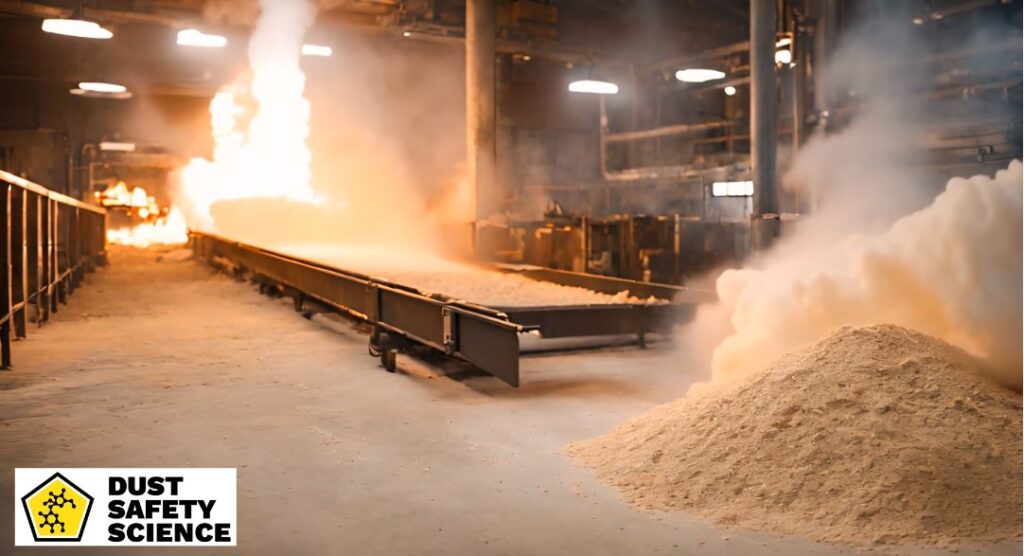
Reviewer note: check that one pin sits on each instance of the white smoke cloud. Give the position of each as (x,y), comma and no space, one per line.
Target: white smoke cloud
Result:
(260,123)
(280,128)
(879,246)
(951,270)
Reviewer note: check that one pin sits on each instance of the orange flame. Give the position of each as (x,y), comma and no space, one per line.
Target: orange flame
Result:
(269,159)
(166,230)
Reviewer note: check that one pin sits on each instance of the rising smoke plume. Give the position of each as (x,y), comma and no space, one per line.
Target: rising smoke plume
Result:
(260,124)
(874,250)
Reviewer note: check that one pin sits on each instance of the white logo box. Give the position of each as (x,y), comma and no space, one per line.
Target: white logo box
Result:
(201,485)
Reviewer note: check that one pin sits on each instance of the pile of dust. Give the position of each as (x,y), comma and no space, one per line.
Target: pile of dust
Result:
(874,435)
(430,273)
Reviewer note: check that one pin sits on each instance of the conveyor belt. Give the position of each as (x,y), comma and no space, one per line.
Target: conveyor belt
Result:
(487,337)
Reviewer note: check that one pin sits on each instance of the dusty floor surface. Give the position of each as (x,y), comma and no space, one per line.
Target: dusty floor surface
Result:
(167,364)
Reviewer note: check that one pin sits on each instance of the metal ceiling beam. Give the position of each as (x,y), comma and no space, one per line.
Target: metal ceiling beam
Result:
(44,11)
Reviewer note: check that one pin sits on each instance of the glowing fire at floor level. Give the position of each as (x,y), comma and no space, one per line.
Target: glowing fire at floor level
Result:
(166,230)
(159,225)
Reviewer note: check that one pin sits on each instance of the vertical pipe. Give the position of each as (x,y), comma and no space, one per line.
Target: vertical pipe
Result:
(634,146)
(481,132)
(799,85)
(825,30)
(763,105)
(763,121)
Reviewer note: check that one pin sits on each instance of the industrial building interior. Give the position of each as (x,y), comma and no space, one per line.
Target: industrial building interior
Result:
(517,276)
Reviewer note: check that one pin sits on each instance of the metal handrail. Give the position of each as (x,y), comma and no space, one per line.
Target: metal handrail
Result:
(48,241)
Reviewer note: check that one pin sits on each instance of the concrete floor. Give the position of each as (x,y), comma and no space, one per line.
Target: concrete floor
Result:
(163,363)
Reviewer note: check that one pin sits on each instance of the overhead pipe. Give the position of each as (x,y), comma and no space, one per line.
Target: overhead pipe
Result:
(667,131)
(632,174)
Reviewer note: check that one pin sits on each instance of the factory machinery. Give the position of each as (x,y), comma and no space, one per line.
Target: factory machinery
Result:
(405,319)
(671,249)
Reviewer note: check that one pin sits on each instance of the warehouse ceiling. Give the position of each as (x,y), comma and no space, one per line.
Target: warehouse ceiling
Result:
(143,53)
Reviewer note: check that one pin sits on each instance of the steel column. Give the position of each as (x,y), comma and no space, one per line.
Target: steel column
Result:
(481,130)
(825,31)
(763,121)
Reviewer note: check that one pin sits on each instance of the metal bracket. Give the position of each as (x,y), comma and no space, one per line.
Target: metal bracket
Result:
(448,330)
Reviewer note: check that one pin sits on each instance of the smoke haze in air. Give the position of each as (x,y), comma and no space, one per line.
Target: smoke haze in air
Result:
(876,248)
(385,131)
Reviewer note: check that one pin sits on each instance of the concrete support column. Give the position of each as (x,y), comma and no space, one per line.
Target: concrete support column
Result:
(481,120)
(763,122)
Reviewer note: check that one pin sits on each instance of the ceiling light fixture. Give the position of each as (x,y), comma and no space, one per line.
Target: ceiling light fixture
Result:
(95,94)
(594,87)
(698,75)
(76,28)
(784,49)
(101,87)
(118,146)
(195,37)
(729,90)
(732,189)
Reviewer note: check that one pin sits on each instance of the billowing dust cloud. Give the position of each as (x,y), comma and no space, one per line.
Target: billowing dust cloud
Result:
(874,251)
(952,270)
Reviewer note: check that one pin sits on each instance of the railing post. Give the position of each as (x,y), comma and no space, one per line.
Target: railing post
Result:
(47,242)
(33,239)
(55,287)
(19,287)
(46,226)
(5,277)
(77,251)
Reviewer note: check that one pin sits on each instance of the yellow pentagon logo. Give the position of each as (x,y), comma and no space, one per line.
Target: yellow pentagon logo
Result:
(57,509)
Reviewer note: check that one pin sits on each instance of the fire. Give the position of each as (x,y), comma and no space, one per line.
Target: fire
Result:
(159,225)
(260,126)
(118,195)
(165,230)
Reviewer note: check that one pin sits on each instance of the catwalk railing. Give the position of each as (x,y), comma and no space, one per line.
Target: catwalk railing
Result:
(48,241)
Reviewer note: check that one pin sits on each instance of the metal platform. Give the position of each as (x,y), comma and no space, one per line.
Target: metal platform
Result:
(406,319)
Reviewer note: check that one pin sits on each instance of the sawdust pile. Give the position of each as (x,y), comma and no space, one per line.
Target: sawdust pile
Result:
(874,435)
(430,273)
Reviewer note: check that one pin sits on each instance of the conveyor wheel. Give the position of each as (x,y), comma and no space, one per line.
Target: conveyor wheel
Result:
(388,358)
